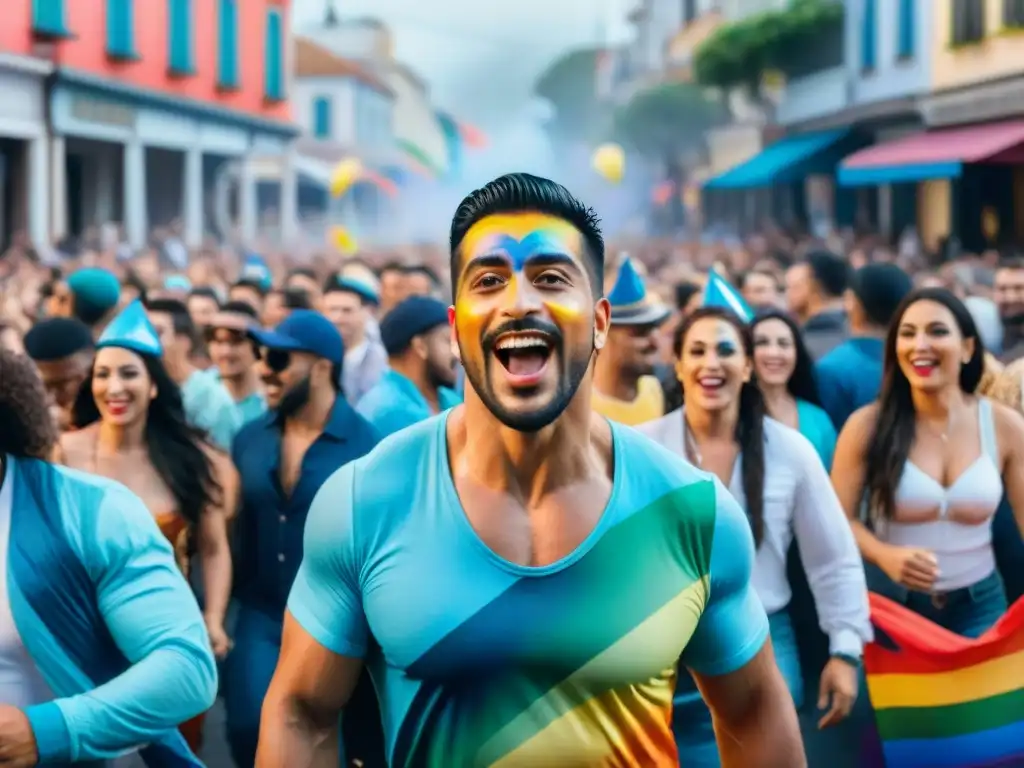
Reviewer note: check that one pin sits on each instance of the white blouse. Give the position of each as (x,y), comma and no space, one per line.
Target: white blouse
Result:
(798,498)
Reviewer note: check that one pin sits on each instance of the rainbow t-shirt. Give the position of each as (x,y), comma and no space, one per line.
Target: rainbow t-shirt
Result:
(482,662)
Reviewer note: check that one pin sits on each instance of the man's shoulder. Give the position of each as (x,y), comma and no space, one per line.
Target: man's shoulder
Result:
(652,472)
(401,452)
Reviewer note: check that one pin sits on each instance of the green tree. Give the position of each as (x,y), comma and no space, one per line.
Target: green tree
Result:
(664,122)
(569,84)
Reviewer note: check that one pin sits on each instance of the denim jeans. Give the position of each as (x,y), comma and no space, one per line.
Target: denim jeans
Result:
(691,719)
(247,673)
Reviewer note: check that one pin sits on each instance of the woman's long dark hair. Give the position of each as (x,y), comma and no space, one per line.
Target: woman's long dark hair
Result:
(802,385)
(895,426)
(750,424)
(174,446)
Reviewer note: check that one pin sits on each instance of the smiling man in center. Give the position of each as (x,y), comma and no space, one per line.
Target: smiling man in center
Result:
(520,575)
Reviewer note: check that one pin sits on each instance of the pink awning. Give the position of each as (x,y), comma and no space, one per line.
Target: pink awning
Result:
(935,154)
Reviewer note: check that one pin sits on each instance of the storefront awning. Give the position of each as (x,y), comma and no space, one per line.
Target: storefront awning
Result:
(938,154)
(787,160)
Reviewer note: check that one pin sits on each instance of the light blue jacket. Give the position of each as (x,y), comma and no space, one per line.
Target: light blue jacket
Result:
(107,618)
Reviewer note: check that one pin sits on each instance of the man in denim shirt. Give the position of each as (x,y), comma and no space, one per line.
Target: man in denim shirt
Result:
(283,457)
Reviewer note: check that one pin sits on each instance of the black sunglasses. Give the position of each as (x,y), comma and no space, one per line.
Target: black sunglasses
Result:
(277,360)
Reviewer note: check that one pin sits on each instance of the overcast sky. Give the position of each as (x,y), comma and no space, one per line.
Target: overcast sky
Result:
(482,56)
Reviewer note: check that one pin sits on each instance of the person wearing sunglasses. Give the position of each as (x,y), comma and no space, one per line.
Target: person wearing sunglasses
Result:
(283,457)
(234,355)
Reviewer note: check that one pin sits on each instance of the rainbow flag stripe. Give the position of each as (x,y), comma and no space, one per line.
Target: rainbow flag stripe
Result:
(944,701)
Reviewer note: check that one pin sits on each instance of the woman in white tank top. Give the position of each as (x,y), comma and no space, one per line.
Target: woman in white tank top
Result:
(932,460)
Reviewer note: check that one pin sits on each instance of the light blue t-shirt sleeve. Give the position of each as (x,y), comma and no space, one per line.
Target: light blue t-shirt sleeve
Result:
(153,617)
(326,596)
(734,626)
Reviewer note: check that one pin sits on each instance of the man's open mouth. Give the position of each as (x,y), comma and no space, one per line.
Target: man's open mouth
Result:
(523,355)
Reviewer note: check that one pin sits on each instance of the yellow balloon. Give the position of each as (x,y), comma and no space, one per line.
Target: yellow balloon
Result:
(610,162)
(345,174)
(342,239)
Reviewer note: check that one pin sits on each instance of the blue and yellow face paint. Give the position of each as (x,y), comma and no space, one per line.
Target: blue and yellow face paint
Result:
(528,267)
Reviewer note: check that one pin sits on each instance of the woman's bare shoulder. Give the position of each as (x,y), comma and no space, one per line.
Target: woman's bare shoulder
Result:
(74,446)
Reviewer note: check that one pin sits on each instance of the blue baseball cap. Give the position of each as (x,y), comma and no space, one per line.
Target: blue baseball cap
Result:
(409,319)
(304,330)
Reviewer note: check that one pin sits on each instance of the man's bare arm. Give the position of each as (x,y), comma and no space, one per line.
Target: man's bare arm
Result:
(755,721)
(311,686)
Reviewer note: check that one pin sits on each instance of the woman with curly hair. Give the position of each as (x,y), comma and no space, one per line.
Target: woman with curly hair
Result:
(103,646)
(133,429)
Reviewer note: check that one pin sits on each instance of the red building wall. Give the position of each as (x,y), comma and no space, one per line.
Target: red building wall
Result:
(86,50)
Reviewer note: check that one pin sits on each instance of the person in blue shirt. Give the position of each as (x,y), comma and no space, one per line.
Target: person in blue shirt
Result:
(785,377)
(421,377)
(850,376)
(208,406)
(102,645)
(282,457)
(520,575)
(234,358)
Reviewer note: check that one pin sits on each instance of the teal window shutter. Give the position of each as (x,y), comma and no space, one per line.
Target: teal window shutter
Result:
(227,57)
(322,117)
(274,53)
(905,48)
(869,26)
(120,29)
(179,42)
(48,18)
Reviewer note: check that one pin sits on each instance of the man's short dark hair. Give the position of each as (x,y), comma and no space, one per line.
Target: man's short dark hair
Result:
(56,338)
(520,192)
(204,291)
(427,272)
(240,308)
(685,291)
(296,298)
(1012,261)
(879,289)
(180,317)
(307,272)
(248,282)
(744,277)
(830,272)
(391,266)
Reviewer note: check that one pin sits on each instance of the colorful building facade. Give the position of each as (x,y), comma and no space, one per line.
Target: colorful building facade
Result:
(967,169)
(150,101)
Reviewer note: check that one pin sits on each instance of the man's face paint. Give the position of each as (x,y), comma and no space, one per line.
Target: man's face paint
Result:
(524,316)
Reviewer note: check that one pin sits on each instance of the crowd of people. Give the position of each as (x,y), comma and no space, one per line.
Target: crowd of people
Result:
(585,505)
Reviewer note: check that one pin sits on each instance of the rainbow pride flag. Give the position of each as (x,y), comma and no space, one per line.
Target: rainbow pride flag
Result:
(944,701)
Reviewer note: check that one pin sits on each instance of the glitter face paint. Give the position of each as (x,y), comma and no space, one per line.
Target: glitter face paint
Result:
(524,262)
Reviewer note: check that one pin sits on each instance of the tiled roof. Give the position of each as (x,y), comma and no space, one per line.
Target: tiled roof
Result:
(312,60)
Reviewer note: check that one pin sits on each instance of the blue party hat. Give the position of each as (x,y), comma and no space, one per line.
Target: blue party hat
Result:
(630,303)
(132,330)
(718,293)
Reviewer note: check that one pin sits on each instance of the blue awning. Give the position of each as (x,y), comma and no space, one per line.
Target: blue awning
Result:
(787,160)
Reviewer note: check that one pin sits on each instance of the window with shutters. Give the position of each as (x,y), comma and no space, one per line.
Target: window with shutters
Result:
(179,38)
(869,35)
(273,86)
(120,29)
(968,22)
(322,117)
(1013,13)
(49,18)
(227,45)
(905,29)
